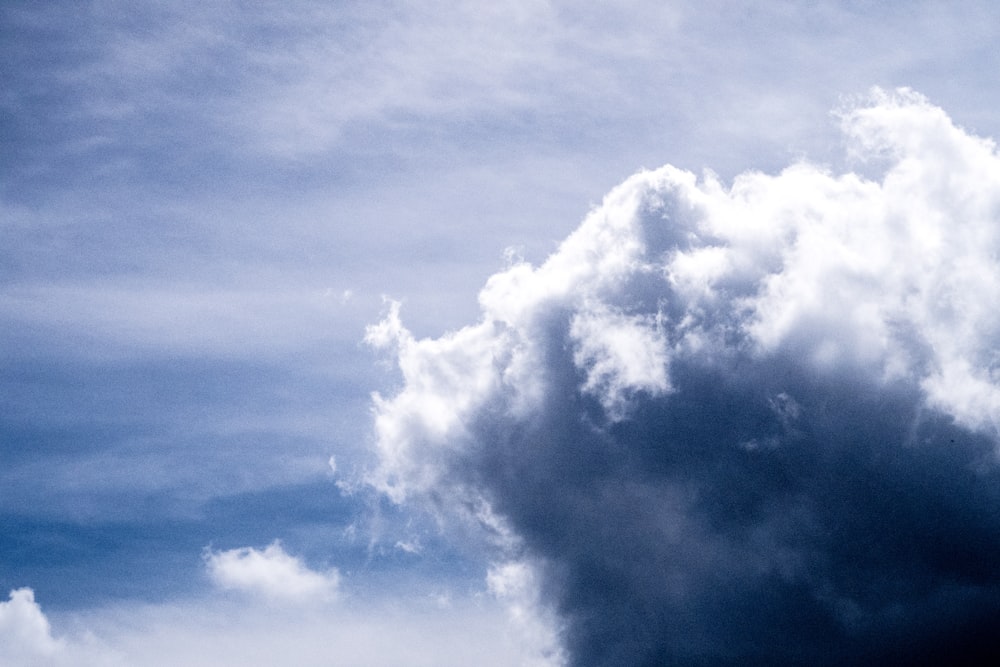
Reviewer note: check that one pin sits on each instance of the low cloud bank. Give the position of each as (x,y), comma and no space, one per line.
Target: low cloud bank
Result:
(408,628)
(27,639)
(753,424)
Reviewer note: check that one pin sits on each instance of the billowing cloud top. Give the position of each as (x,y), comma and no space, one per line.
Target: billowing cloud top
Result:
(749,423)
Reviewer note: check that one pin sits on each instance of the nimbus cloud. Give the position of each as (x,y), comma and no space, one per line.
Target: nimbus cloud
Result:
(743,424)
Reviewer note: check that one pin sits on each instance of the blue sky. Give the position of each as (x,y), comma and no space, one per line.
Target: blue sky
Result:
(204,207)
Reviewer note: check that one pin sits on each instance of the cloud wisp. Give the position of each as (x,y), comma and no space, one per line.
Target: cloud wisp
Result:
(746,424)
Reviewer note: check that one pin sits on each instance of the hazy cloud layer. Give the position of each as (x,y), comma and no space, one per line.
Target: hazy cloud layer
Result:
(406,628)
(740,424)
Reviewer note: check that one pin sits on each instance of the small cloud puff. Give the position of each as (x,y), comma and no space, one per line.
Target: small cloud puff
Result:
(271,573)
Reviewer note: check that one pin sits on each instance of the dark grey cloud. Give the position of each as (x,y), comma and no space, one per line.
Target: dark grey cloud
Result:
(712,526)
(739,425)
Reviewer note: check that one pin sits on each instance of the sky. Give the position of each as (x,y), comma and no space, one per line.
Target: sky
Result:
(511,333)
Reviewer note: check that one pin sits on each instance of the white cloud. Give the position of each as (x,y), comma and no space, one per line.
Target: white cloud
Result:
(444,379)
(371,632)
(27,640)
(898,277)
(408,630)
(516,584)
(24,630)
(270,572)
(620,354)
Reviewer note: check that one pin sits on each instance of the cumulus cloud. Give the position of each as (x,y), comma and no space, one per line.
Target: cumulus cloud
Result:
(25,630)
(270,572)
(27,640)
(740,424)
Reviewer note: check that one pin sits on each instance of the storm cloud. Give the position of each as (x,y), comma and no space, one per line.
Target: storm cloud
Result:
(746,423)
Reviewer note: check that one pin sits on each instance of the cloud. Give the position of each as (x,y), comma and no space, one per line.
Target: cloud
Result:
(515,584)
(739,424)
(375,632)
(26,639)
(24,630)
(271,573)
(409,628)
